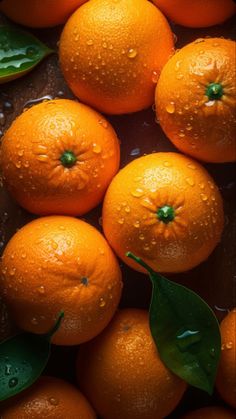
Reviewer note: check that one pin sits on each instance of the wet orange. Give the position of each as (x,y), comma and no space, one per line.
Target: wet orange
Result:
(36,14)
(226,377)
(166,209)
(121,372)
(60,263)
(196,100)
(48,398)
(112,52)
(59,157)
(212,412)
(197,13)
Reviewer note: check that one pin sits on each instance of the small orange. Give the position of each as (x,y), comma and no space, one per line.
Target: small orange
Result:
(212,412)
(196,99)
(48,398)
(121,372)
(166,209)
(38,14)
(226,377)
(112,52)
(60,263)
(197,13)
(59,157)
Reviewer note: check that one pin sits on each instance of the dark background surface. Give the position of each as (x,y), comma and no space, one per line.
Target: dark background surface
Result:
(214,280)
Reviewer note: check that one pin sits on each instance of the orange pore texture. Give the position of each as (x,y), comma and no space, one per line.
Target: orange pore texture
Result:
(140,189)
(111,53)
(60,263)
(226,378)
(212,412)
(196,124)
(121,372)
(197,13)
(48,398)
(38,13)
(31,152)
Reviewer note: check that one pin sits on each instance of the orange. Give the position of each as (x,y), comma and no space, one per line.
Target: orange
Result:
(196,99)
(112,52)
(36,14)
(121,372)
(59,157)
(166,209)
(197,13)
(60,263)
(226,378)
(212,412)
(48,398)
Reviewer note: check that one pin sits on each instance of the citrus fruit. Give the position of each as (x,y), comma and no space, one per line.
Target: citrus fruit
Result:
(226,378)
(36,14)
(48,398)
(197,13)
(58,157)
(112,52)
(58,264)
(121,372)
(196,101)
(166,209)
(212,412)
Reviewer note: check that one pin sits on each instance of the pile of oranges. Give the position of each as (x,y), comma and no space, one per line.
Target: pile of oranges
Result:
(61,158)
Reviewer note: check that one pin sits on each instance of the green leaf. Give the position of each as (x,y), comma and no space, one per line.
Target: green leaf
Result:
(22,360)
(20,52)
(185,330)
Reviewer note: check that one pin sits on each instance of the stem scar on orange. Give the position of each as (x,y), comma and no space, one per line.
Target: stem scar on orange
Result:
(59,157)
(166,209)
(196,100)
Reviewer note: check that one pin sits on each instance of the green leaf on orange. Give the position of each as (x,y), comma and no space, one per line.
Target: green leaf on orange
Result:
(20,52)
(22,360)
(185,330)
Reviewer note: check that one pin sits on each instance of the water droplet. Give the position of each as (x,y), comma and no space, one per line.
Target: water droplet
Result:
(155,76)
(210,103)
(179,76)
(97,148)
(212,352)
(127,209)
(12,272)
(20,153)
(121,221)
(137,193)
(136,224)
(170,108)
(103,123)
(229,345)
(204,197)
(201,185)
(189,127)
(89,42)
(188,338)
(135,152)
(41,290)
(8,369)
(190,181)
(13,382)
(102,302)
(181,134)
(34,321)
(53,401)
(132,53)
(141,236)
(167,164)
(31,51)
(18,164)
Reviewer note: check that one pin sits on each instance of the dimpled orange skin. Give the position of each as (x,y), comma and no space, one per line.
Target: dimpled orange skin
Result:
(121,372)
(197,13)
(140,190)
(31,152)
(36,14)
(212,412)
(111,53)
(60,263)
(226,377)
(48,398)
(197,125)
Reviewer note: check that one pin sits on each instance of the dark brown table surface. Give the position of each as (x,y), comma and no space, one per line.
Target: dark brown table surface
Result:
(214,280)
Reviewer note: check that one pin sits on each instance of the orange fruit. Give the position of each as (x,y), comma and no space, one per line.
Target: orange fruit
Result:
(226,377)
(122,375)
(59,157)
(166,209)
(112,52)
(197,13)
(60,263)
(212,412)
(36,14)
(48,398)
(196,100)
